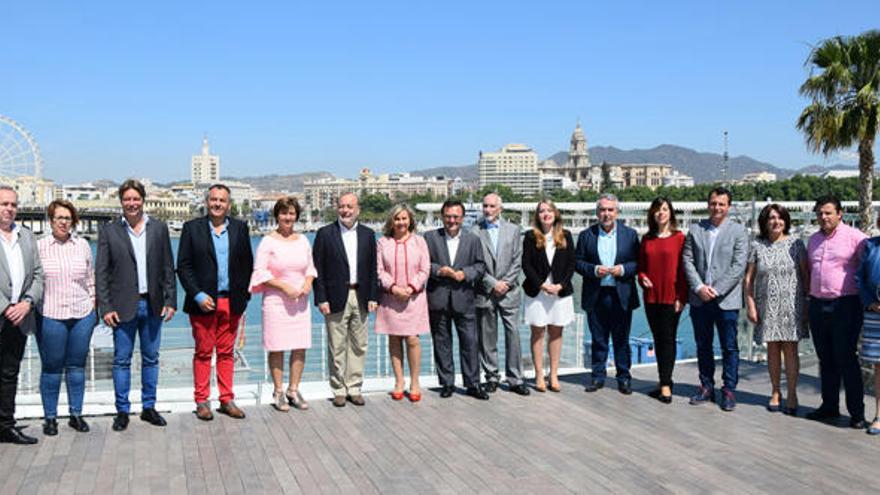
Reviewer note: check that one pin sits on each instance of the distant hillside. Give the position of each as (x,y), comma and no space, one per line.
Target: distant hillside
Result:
(466,172)
(290,182)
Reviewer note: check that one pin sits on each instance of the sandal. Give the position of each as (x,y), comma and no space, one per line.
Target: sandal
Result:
(279,401)
(295,399)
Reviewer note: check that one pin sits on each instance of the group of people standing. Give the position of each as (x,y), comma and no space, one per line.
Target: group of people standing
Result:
(416,285)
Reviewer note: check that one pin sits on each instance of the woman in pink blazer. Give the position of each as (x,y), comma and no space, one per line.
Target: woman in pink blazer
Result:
(403,264)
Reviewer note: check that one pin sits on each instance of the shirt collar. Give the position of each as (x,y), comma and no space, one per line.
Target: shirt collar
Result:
(493,225)
(15,232)
(126,224)
(225,225)
(613,232)
(344,229)
(70,239)
(450,237)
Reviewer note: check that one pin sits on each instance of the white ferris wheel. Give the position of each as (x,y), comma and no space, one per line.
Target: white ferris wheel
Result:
(19,152)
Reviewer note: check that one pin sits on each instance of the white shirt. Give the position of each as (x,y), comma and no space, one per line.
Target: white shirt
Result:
(12,250)
(550,250)
(452,246)
(350,242)
(139,245)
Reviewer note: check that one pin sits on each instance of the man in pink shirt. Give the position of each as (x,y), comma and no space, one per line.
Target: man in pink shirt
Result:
(836,311)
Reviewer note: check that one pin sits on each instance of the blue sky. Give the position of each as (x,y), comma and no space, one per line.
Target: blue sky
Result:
(118,89)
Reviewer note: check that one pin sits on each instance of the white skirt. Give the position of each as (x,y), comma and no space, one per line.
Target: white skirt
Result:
(546,310)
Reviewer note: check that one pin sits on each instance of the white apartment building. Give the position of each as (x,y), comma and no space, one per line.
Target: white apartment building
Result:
(755,177)
(678,179)
(515,166)
(205,166)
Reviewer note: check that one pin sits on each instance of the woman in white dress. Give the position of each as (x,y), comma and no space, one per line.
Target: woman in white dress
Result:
(548,264)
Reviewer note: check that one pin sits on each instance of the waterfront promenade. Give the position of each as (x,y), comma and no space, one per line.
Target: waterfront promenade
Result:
(571,442)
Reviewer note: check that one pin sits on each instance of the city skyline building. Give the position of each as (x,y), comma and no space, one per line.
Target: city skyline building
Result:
(205,167)
(515,166)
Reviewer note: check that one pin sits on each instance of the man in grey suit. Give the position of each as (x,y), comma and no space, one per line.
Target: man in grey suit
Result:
(456,268)
(136,289)
(498,295)
(715,254)
(21,290)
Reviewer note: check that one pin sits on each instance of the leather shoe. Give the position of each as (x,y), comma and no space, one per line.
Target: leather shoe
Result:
(120,422)
(520,389)
(447,391)
(477,393)
(491,387)
(822,414)
(357,399)
(50,427)
(78,424)
(14,435)
(624,387)
(339,401)
(858,423)
(594,386)
(150,415)
(231,410)
(203,411)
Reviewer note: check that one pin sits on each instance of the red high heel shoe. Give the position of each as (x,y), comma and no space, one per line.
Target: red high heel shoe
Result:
(397,395)
(415,397)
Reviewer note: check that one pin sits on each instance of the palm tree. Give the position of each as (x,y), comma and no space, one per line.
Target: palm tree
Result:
(844,86)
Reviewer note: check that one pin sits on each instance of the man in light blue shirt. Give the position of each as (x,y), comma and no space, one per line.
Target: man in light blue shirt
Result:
(607,256)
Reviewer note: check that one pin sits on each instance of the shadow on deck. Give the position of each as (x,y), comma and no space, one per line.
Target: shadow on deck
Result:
(548,443)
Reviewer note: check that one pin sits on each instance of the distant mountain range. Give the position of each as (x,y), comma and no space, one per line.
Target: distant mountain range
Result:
(287,182)
(703,167)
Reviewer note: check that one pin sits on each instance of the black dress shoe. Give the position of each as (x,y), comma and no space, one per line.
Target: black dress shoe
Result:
(477,393)
(78,424)
(151,416)
(666,399)
(858,423)
(624,387)
(491,387)
(50,427)
(822,414)
(14,435)
(594,386)
(447,391)
(120,422)
(520,389)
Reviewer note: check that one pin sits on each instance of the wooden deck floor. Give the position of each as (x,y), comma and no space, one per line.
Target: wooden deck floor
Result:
(547,443)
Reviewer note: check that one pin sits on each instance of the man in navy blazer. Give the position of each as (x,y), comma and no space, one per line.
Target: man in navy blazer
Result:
(607,257)
(346,291)
(136,290)
(214,263)
(457,267)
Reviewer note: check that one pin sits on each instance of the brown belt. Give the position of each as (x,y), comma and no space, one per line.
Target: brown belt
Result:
(353,286)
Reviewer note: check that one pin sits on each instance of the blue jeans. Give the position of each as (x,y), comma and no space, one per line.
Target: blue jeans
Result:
(64,346)
(608,318)
(836,325)
(704,318)
(147,326)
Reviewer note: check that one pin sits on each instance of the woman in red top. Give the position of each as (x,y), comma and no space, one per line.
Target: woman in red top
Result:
(665,289)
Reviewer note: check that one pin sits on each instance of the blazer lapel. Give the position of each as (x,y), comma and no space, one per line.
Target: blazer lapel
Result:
(122,230)
(4,265)
(340,246)
(209,238)
(444,248)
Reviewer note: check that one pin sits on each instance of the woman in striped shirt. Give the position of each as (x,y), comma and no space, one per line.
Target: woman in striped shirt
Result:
(67,317)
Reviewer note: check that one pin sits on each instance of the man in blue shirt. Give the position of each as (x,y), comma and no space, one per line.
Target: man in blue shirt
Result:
(214,264)
(607,256)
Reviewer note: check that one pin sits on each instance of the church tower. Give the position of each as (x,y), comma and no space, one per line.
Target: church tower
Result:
(578,164)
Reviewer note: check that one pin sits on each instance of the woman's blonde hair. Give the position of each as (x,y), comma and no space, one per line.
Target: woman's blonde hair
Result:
(558,232)
(388,229)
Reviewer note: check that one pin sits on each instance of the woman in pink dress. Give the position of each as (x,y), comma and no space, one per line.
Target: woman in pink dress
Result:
(284,272)
(404,265)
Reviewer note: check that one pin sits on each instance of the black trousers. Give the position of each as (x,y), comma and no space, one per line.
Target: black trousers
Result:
(836,325)
(12,343)
(663,321)
(469,356)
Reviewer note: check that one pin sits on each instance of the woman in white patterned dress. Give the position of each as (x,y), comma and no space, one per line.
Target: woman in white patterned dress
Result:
(776,292)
